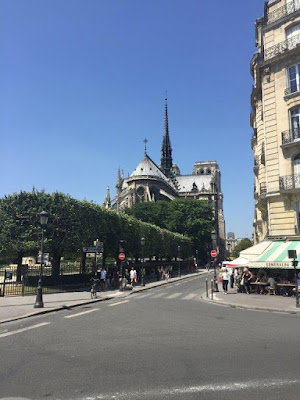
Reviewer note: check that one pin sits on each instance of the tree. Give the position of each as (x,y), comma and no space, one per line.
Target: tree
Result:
(244,244)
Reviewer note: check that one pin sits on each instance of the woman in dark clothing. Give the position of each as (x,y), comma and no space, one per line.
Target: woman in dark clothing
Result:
(246,277)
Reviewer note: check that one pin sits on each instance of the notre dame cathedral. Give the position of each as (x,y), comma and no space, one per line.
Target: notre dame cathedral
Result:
(150,182)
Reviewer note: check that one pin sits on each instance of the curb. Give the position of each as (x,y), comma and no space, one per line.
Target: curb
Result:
(232,305)
(60,308)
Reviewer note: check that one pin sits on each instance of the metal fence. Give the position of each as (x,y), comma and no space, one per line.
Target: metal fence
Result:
(72,278)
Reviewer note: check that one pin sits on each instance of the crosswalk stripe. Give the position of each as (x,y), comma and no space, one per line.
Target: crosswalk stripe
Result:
(172,296)
(156,296)
(144,295)
(190,296)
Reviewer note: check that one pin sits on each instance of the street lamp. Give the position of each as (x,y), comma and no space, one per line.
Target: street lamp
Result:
(143,241)
(39,296)
(197,252)
(214,245)
(229,247)
(178,248)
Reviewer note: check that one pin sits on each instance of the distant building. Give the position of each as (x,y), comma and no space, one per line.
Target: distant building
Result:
(152,182)
(231,241)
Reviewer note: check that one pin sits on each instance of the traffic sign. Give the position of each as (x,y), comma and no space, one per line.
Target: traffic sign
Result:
(121,256)
(213,253)
(98,249)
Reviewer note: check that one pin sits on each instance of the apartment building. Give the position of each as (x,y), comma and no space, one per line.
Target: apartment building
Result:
(275,119)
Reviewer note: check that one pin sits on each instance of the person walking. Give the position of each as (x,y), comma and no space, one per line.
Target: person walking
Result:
(133,276)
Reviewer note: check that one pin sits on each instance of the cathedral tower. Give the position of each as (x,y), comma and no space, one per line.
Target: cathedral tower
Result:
(166,150)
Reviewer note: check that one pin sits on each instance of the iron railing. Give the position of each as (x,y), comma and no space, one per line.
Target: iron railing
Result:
(283,11)
(282,47)
(289,182)
(290,136)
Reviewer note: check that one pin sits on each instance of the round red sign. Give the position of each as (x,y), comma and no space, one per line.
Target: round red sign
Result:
(121,256)
(213,253)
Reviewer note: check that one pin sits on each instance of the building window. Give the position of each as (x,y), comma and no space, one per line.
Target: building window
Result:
(298,217)
(296,166)
(295,120)
(201,171)
(293,76)
(208,172)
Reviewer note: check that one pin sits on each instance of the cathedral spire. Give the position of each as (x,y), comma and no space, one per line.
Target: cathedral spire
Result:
(166,150)
(107,202)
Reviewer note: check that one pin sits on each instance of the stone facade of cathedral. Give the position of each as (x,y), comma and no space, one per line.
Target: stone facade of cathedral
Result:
(150,182)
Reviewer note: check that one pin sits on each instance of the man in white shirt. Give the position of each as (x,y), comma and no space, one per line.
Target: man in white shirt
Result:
(103,278)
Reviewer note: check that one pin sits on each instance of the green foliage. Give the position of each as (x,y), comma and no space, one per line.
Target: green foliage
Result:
(192,218)
(75,224)
(244,244)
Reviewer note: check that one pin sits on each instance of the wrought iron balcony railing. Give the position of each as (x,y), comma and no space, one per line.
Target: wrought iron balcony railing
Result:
(282,47)
(290,136)
(283,11)
(290,90)
(289,182)
(263,190)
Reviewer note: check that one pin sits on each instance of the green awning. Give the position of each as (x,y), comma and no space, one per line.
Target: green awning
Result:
(276,255)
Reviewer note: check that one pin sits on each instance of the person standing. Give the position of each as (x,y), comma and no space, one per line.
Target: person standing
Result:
(225,276)
(133,276)
(103,278)
(246,278)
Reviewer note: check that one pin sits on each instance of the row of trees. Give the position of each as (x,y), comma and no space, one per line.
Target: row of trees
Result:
(75,224)
(189,217)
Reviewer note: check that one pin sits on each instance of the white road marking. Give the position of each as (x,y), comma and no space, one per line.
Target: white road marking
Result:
(81,313)
(120,302)
(172,296)
(156,296)
(24,329)
(144,295)
(190,296)
(226,387)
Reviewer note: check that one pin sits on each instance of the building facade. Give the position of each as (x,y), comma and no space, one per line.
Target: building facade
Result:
(275,119)
(152,182)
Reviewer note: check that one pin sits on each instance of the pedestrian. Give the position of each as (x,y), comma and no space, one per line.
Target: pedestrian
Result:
(246,278)
(167,273)
(170,270)
(225,276)
(103,278)
(133,276)
(158,274)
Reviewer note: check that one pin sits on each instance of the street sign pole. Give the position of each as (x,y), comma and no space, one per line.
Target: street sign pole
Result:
(293,254)
(214,254)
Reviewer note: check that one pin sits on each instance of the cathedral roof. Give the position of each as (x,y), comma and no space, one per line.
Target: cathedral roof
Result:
(147,167)
(186,183)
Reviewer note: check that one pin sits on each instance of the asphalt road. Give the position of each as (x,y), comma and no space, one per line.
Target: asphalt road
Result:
(158,344)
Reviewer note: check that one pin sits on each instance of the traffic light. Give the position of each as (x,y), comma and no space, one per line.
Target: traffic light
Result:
(295,263)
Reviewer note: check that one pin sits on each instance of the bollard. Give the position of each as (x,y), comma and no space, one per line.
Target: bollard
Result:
(212,289)
(206,284)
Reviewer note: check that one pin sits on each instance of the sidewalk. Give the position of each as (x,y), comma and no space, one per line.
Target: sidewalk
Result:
(253,301)
(13,308)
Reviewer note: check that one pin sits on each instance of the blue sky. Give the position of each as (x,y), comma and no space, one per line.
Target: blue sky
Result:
(83,83)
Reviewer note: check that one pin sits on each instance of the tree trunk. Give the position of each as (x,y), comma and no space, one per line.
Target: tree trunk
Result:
(19,265)
(56,265)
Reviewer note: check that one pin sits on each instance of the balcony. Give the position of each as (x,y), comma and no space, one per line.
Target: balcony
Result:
(256,164)
(290,136)
(263,190)
(283,11)
(289,182)
(282,47)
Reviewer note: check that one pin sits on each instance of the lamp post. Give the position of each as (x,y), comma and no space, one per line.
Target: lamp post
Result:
(229,247)
(143,241)
(39,296)
(197,253)
(178,248)
(214,245)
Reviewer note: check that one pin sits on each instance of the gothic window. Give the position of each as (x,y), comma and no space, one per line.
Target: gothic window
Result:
(208,171)
(201,171)
(141,194)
